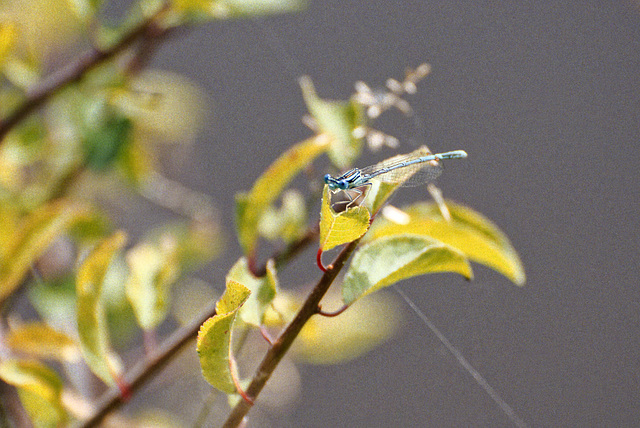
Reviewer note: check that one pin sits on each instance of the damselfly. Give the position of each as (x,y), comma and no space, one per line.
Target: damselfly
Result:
(412,169)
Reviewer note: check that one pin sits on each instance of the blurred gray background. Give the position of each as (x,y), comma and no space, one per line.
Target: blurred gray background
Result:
(544,96)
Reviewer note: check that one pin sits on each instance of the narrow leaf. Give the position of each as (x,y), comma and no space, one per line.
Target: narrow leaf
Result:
(92,325)
(390,259)
(338,229)
(468,231)
(39,340)
(214,338)
(153,270)
(249,207)
(39,389)
(338,119)
(263,290)
(33,236)
(221,9)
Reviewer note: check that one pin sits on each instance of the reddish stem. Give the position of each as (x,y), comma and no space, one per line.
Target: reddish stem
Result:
(319,311)
(319,260)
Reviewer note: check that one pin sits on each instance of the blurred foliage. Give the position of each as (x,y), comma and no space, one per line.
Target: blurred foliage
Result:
(75,131)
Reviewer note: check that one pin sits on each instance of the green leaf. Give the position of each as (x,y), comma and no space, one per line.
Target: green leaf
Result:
(92,324)
(214,338)
(468,231)
(39,340)
(39,389)
(338,229)
(104,145)
(153,270)
(338,119)
(390,259)
(287,223)
(251,206)
(263,290)
(33,236)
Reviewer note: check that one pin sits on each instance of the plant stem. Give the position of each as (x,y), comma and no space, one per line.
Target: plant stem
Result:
(149,367)
(74,71)
(284,341)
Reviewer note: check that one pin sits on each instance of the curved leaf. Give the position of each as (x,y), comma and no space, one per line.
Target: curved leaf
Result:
(40,340)
(92,325)
(153,270)
(468,231)
(214,338)
(337,119)
(338,229)
(250,207)
(263,290)
(33,236)
(39,389)
(390,259)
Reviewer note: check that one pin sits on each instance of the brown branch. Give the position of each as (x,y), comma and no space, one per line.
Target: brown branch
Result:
(156,362)
(148,368)
(73,72)
(284,341)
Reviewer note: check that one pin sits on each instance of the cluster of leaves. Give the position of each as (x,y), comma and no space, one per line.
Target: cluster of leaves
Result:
(416,240)
(76,135)
(96,128)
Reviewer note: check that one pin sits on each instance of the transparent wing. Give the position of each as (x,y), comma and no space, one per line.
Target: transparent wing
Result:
(407,175)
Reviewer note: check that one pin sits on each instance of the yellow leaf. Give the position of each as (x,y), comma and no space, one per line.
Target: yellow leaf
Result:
(214,338)
(468,231)
(338,229)
(8,34)
(37,339)
(368,323)
(92,325)
(33,236)
(39,389)
(153,270)
(250,207)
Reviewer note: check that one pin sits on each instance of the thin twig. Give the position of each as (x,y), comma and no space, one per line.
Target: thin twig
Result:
(148,368)
(284,341)
(73,72)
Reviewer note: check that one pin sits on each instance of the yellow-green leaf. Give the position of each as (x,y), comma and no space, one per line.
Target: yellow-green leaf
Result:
(287,223)
(222,9)
(39,340)
(8,34)
(39,389)
(338,229)
(92,325)
(337,119)
(33,236)
(250,207)
(263,290)
(153,269)
(390,259)
(468,231)
(214,338)
(368,323)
